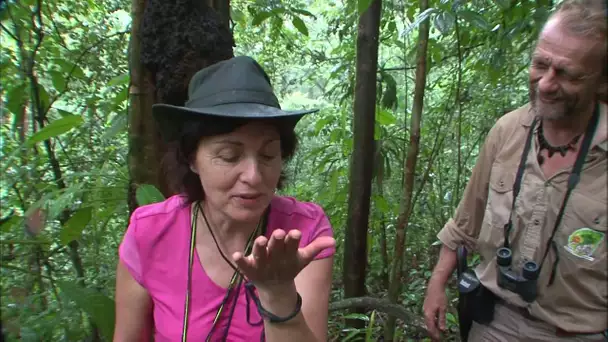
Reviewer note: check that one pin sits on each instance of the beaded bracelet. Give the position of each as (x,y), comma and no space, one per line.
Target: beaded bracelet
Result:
(269,315)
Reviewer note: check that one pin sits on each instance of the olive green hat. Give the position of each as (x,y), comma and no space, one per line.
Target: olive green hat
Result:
(234,88)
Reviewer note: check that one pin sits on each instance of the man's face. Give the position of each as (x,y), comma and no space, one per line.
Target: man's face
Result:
(565,73)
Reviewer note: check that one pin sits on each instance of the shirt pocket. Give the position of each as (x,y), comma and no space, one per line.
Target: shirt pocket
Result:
(498,208)
(581,239)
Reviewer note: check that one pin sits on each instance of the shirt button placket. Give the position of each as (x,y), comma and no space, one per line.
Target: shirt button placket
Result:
(533,234)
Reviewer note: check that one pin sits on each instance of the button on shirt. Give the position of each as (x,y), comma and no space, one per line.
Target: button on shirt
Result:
(577,301)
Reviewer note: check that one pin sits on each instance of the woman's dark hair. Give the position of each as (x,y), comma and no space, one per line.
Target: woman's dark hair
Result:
(180,153)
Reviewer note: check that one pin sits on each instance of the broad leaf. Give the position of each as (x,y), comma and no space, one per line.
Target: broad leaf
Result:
(475,19)
(147,194)
(119,80)
(299,24)
(44,98)
(385,117)
(73,228)
(504,4)
(98,306)
(303,12)
(15,97)
(420,18)
(119,123)
(55,129)
(58,81)
(444,22)
(260,17)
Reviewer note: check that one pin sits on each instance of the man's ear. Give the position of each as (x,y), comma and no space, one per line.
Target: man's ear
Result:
(193,169)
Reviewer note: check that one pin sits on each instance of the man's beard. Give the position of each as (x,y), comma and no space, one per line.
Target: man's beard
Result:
(564,108)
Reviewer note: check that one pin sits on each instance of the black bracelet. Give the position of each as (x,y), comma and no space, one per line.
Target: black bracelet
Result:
(269,315)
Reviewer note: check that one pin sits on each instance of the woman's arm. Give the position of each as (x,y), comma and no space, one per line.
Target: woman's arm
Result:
(133,309)
(313,283)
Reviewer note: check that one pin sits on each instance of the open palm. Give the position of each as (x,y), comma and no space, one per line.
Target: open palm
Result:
(275,262)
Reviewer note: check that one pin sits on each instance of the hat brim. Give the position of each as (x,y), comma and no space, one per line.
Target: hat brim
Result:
(170,118)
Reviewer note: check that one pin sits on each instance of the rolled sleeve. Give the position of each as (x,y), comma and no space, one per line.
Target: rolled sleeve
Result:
(464,226)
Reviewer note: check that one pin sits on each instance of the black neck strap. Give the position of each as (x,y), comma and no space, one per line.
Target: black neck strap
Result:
(572,180)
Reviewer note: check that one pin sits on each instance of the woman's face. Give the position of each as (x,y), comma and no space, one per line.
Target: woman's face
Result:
(239,171)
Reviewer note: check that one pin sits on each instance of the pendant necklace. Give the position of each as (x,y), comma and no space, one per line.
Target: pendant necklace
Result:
(543,144)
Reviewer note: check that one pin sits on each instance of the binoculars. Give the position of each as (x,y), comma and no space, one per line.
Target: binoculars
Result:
(507,278)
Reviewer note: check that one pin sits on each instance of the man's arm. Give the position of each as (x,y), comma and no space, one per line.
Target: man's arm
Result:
(463,228)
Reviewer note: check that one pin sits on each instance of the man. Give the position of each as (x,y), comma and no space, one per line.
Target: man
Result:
(568,246)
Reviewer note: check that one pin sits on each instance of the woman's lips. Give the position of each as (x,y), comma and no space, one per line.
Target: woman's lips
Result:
(248,200)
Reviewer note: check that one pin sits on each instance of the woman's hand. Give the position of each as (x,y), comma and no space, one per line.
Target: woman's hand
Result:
(273,265)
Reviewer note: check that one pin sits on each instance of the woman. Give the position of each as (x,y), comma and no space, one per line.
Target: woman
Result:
(226,259)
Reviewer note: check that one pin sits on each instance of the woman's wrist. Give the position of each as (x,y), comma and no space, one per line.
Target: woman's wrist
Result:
(280,301)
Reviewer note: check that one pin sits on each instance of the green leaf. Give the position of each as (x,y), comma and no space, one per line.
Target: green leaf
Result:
(475,19)
(299,24)
(64,113)
(121,97)
(303,12)
(119,123)
(70,68)
(9,223)
(98,306)
(358,316)
(260,17)
(237,15)
(363,5)
(504,4)
(444,22)
(72,230)
(420,18)
(119,80)
(382,205)
(147,194)
(55,129)
(385,117)
(43,96)
(15,97)
(58,80)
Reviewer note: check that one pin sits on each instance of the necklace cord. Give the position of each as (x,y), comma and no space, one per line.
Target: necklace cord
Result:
(236,275)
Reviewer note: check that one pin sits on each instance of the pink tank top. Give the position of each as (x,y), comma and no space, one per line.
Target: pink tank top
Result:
(155,250)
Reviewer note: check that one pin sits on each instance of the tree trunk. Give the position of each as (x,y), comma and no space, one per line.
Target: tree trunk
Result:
(202,29)
(410,168)
(355,249)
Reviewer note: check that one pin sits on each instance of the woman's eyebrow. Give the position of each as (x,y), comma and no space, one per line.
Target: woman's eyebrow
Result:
(228,142)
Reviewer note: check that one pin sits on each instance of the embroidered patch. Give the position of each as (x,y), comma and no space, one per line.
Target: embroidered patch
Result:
(583,242)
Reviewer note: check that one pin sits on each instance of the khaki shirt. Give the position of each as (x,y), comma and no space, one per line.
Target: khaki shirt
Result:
(577,301)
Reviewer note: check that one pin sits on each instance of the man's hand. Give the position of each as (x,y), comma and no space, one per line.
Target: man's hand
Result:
(274,264)
(435,307)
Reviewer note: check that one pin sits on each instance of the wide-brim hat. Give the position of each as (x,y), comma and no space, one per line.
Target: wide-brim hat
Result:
(233,88)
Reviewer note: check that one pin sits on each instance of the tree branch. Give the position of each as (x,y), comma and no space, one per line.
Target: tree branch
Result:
(384,306)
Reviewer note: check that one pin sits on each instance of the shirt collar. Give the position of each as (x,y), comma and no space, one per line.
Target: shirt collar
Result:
(600,138)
